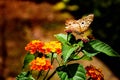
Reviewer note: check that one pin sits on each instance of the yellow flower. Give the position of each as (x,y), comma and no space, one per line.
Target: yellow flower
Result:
(40,61)
(40,64)
(52,46)
(35,41)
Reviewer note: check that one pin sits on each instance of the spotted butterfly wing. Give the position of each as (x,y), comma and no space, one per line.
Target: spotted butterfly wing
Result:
(85,22)
(79,26)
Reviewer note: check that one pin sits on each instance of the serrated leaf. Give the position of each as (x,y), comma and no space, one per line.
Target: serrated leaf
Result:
(28,58)
(62,38)
(103,47)
(72,72)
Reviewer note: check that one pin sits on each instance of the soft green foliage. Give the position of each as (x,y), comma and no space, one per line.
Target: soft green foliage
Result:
(28,58)
(25,76)
(71,48)
(100,46)
(62,38)
(72,72)
(94,47)
(68,51)
(90,49)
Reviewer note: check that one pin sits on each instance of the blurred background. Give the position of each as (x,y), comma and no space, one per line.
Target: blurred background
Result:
(24,20)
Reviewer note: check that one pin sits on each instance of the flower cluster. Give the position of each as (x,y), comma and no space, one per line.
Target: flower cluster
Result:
(45,48)
(95,74)
(40,64)
(37,46)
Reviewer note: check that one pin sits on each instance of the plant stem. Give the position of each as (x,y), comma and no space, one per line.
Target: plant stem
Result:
(38,75)
(58,61)
(51,75)
(46,74)
(52,59)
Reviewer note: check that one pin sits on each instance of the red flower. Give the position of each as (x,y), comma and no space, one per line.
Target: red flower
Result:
(34,46)
(94,73)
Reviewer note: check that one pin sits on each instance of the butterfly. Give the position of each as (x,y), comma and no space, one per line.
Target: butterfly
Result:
(80,26)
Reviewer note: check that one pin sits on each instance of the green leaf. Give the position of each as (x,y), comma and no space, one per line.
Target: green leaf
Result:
(25,76)
(69,45)
(80,43)
(71,39)
(28,58)
(102,47)
(85,57)
(72,72)
(77,57)
(67,50)
(88,55)
(62,38)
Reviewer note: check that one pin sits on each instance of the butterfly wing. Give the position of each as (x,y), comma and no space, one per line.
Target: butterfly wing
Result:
(85,22)
(79,26)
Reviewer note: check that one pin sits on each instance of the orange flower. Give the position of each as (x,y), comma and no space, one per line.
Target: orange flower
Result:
(34,46)
(40,64)
(53,46)
(94,73)
(47,47)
